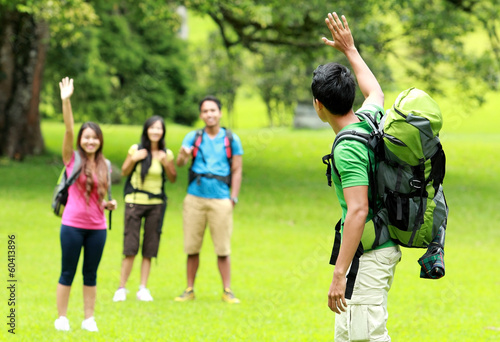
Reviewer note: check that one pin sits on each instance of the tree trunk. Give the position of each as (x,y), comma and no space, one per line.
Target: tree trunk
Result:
(23,47)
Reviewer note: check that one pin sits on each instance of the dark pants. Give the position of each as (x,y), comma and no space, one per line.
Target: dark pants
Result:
(72,241)
(152,215)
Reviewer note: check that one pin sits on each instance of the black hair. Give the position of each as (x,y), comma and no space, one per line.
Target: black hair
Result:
(210,98)
(334,86)
(146,143)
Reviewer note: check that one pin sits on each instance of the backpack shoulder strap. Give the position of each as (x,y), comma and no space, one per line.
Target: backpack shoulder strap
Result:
(228,140)
(108,165)
(350,135)
(371,120)
(77,168)
(228,144)
(353,270)
(198,137)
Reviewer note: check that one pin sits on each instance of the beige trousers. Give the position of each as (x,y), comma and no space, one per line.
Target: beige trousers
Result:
(366,316)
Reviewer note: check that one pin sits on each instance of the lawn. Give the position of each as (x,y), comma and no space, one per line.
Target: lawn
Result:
(281,244)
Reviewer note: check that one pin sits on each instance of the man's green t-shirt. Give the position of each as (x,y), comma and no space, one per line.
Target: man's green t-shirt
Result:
(352,160)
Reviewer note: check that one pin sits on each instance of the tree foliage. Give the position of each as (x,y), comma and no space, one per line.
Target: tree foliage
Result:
(128,67)
(24,35)
(125,57)
(428,40)
(218,71)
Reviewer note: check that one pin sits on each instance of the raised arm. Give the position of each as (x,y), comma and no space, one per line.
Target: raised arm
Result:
(344,42)
(66,86)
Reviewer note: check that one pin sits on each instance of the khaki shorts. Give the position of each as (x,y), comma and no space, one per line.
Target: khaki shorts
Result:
(218,213)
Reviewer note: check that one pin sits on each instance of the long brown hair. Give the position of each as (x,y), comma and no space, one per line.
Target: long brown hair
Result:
(100,163)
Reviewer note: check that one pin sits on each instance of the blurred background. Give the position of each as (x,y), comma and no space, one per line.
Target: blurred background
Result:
(132,59)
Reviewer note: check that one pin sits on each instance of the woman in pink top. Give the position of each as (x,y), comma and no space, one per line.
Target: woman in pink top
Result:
(83,221)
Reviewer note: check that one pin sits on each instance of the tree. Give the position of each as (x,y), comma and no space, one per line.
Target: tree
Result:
(417,33)
(278,86)
(22,62)
(285,40)
(218,72)
(125,58)
(130,66)
(24,40)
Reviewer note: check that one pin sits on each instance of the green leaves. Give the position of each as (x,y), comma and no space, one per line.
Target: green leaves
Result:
(128,63)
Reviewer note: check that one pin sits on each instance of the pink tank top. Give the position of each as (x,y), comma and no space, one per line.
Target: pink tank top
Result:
(78,213)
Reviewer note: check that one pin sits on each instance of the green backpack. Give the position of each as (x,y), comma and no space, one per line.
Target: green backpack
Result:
(410,168)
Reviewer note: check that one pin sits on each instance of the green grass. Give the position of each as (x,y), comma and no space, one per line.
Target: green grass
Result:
(281,245)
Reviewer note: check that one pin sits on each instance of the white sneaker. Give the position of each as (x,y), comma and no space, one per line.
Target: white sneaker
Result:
(120,295)
(144,295)
(89,324)
(62,324)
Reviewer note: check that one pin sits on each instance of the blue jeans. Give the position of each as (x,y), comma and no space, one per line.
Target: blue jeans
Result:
(72,241)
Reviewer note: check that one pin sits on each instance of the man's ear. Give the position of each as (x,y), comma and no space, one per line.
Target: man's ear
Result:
(319,105)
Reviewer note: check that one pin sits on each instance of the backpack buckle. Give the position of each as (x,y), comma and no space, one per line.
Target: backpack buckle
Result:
(326,160)
(416,183)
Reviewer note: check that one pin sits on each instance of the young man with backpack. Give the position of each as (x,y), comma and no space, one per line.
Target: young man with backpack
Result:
(362,309)
(213,187)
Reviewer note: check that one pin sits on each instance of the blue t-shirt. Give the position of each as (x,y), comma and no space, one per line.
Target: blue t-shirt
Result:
(211,158)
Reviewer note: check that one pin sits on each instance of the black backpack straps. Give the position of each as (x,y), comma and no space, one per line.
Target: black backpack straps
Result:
(438,169)
(108,164)
(353,270)
(336,243)
(352,135)
(128,188)
(369,119)
(329,160)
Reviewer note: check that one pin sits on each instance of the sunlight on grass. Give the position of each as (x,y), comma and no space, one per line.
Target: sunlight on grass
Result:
(281,245)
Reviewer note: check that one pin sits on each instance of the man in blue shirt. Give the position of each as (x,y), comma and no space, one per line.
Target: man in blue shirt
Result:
(215,180)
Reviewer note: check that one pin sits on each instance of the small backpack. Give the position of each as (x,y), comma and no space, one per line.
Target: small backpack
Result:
(60,194)
(228,141)
(410,168)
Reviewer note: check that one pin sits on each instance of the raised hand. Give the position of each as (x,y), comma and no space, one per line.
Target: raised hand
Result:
(66,86)
(342,37)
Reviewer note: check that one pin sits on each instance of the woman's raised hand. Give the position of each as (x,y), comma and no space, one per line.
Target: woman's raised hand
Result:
(66,86)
